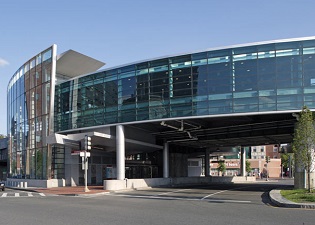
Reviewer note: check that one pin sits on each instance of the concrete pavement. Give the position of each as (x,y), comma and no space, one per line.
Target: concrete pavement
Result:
(274,195)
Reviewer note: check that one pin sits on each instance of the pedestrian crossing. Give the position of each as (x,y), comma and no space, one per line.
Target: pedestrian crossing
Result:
(21,194)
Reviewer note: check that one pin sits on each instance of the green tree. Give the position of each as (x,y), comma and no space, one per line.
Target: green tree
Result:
(285,160)
(304,142)
(221,167)
(39,164)
(248,167)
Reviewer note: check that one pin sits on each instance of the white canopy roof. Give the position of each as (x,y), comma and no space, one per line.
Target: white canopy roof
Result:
(72,64)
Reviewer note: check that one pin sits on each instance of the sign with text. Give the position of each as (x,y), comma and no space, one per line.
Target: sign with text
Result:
(88,154)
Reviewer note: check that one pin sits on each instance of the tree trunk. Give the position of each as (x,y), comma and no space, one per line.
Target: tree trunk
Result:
(309,179)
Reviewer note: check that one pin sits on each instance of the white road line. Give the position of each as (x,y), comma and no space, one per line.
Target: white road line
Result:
(42,194)
(222,192)
(167,193)
(16,194)
(29,194)
(4,195)
(213,194)
(184,199)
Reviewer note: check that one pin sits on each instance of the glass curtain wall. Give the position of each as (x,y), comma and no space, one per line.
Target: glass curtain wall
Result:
(28,113)
(258,78)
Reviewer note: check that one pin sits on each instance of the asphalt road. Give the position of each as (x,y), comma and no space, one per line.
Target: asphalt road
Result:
(237,204)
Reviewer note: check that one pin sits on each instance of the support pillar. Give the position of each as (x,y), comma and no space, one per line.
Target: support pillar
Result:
(243,162)
(207,163)
(120,152)
(166,160)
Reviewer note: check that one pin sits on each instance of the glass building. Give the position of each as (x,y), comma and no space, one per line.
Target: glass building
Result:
(274,76)
(29,104)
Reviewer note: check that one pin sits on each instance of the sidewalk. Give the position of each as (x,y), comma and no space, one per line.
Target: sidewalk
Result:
(68,191)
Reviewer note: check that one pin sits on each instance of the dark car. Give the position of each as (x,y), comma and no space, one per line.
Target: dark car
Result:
(2,186)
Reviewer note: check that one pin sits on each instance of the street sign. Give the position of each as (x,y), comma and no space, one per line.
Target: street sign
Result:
(84,163)
(80,153)
(88,154)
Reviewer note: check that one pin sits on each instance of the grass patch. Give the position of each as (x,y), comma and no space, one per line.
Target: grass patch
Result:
(298,195)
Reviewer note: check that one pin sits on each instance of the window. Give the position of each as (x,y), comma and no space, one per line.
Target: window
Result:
(193,163)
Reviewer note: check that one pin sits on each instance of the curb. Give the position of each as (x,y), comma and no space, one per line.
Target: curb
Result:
(279,200)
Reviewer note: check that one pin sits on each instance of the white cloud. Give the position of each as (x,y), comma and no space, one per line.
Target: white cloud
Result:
(3,62)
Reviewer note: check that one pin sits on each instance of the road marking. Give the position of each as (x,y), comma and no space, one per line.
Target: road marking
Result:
(213,194)
(223,191)
(170,192)
(18,195)
(185,199)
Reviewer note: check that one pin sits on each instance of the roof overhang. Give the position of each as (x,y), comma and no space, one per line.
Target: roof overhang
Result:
(73,64)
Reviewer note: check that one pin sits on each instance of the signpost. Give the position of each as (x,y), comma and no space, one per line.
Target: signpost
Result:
(85,155)
(267,161)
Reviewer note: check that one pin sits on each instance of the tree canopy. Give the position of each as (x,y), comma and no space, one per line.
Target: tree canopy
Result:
(304,141)
(248,167)
(221,167)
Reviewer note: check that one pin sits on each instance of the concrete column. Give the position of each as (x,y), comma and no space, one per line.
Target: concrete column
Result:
(243,162)
(120,152)
(166,160)
(207,163)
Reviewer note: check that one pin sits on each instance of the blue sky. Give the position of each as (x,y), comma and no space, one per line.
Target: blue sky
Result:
(124,31)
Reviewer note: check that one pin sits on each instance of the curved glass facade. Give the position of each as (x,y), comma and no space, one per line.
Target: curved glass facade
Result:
(29,92)
(266,77)
(255,78)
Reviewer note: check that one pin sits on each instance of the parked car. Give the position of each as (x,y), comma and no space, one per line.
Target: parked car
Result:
(2,186)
